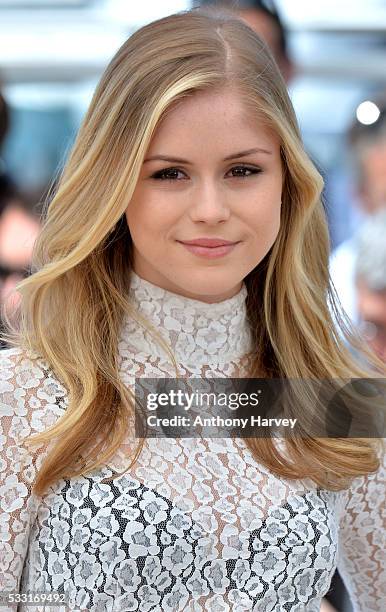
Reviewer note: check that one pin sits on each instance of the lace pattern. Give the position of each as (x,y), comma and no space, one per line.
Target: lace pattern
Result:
(196,524)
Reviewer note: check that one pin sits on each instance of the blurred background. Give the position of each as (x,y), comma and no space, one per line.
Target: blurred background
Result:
(52,53)
(333,56)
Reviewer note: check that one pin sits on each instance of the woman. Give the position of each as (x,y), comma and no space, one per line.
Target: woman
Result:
(190,135)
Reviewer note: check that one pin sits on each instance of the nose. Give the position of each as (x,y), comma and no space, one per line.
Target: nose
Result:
(209,204)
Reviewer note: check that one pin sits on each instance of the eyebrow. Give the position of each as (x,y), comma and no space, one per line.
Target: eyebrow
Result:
(184,161)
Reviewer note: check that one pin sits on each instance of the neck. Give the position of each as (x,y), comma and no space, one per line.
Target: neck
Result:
(197,332)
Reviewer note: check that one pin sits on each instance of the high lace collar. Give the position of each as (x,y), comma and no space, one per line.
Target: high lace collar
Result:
(197,332)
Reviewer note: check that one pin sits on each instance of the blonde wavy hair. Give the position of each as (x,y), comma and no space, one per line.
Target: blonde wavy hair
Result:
(74,301)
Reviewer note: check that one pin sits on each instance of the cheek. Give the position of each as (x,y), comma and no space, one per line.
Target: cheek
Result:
(143,217)
(152,213)
(265,216)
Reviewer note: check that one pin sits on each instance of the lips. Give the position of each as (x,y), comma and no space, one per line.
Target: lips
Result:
(208,242)
(212,252)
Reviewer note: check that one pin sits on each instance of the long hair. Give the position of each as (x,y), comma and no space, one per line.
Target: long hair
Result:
(74,301)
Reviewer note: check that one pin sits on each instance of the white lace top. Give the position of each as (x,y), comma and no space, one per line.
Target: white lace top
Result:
(196,524)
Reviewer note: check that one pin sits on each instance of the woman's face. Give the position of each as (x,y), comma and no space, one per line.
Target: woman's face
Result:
(211,171)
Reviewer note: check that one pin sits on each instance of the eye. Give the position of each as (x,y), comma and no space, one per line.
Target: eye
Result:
(171,174)
(250,169)
(167,174)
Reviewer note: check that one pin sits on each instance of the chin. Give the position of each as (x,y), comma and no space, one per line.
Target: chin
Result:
(209,290)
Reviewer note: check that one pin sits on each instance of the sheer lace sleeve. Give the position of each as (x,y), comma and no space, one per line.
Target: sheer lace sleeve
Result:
(30,400)
(362,542)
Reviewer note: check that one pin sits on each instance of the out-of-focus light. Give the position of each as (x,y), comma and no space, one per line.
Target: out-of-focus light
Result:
(367,112)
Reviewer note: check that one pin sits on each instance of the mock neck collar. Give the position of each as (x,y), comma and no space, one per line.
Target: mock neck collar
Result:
(197,332)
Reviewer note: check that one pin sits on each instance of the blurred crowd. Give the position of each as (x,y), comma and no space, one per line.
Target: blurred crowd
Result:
(358,265)
(19,227)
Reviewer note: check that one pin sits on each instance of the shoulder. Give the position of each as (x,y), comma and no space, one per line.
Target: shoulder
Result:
(11,358)
(15,360)
(31,395)
(369,492)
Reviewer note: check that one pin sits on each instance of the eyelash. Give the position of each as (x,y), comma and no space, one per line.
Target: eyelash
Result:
(161,173)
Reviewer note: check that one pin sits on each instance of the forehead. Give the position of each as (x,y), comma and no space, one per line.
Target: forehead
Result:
(219,115)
